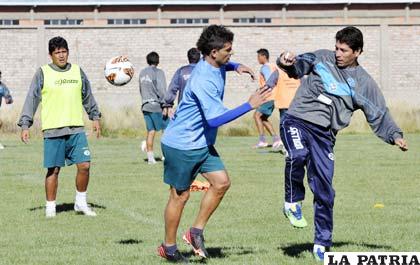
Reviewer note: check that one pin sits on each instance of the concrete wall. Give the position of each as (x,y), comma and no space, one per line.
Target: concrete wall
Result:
(390,55)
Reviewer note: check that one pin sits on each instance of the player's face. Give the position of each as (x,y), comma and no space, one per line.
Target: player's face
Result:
(261,59)
(345,56)
(222,56)
(60,56)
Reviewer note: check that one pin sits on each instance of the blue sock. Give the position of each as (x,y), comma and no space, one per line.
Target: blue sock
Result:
(170,250)
(196,231)
(262,138)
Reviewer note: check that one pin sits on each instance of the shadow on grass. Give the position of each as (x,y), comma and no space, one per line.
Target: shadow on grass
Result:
(130,242)
(295,250)
(67,207)
(158,159)
(221,253)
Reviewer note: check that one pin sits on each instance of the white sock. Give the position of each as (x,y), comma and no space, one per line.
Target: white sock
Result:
(288,205)
(81,198)
(150,156)
(50,204)
(316,246)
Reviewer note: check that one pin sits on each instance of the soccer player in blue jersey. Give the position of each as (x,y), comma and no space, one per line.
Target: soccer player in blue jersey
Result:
(188,142)
(4,93)
(335,87)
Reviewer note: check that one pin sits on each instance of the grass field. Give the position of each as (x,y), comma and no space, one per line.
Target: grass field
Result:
(248,227)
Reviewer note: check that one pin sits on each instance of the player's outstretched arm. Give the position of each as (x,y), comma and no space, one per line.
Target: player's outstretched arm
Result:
(240,69)
(259,97)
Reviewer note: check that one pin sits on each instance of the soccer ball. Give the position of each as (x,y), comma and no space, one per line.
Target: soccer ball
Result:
(119,71)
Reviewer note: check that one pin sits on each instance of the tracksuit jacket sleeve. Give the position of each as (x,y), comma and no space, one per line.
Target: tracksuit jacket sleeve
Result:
(372,102)
(89,102)
(303,65)
(33,98)
(173,89)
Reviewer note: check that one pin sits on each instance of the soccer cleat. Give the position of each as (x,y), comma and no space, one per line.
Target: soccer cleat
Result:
(151,161)
(143,146)
(261,144)
(50,212)
(278,146)
(294,214)
(319,252)
(197,243)
(84,209)
(177,257)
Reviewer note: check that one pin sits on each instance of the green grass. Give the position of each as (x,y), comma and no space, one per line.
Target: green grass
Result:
(247,228)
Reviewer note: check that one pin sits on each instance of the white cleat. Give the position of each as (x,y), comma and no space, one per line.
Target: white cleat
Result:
(1,147)
(151,162)
(84,209)
(143,146)
(50,212)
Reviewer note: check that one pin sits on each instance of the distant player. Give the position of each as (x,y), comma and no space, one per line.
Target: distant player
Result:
(262,114)
(63,91)
(336,86)
(188,142)
(179,80)
(4,93)
(152,90)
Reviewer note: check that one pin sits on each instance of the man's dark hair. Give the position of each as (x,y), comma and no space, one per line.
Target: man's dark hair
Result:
(152,58)
(193,55)
(264,52)
(57,43)
(214,37)
(351,36)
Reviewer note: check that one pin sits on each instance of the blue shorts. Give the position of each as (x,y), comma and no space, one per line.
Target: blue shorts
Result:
(155,121)
(67,149)
(181,167)
(267,108)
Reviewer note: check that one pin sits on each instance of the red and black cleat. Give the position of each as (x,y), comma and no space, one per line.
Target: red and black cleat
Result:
(197,243)
(177,257)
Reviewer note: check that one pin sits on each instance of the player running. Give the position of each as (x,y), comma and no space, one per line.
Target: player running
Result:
(262,113)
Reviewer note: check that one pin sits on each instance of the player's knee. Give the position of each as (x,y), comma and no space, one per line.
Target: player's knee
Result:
(298,158)
(83,167)
(53,171)
(182,196)
(223,185)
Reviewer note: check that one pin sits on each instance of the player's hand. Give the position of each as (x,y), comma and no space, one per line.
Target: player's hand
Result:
(260,97)
(287,58)
(402,144)
(24,136)
(171,112)
(165,112)
(96,127)
(245,69)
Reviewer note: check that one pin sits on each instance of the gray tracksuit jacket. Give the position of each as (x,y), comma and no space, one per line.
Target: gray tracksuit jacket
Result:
(33,99)
(329,95)
(152,84)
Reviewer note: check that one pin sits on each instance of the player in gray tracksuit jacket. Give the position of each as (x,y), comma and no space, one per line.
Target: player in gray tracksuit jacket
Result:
(152,85)
(335,86)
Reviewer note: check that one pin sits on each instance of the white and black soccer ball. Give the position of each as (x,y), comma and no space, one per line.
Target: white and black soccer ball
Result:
(119,71)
